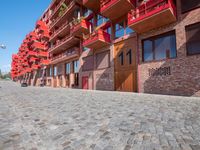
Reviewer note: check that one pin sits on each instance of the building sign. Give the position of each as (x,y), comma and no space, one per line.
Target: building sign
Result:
(162,71)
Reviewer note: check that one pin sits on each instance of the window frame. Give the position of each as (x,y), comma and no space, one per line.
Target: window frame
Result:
(153,38)
(188,10)
(187,41)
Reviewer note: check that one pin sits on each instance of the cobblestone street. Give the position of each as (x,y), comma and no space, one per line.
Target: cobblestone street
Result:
(37,118)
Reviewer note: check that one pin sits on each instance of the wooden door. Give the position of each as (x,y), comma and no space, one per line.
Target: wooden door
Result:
(125,66)
(85,84)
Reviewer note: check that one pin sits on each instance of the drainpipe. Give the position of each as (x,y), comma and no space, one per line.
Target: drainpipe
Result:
(138,63)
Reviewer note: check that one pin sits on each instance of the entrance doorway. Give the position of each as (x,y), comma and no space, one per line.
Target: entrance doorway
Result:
(125,66)
(85,83)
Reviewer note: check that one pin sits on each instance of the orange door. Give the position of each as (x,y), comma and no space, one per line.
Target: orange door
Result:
(85,83)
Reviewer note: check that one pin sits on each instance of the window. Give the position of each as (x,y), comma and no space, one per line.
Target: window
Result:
(55,71)
(121,58)
(68,68)
(50,72)
(76,66)
(160,47)
(193,39)
(119,30)
(88,63)
(101,20)
(122,29)
(188,5)
(102,60)
(129,55)
(128,30)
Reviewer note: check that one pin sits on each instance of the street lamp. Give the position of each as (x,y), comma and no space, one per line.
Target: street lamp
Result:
(2,46)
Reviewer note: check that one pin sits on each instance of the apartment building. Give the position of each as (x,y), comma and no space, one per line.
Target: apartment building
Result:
(148,46)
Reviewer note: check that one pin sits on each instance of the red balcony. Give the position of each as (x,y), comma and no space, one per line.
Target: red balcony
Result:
(45,62)
(97,40)
(114,9)
(35,67)
(153,14)
(92,4)
(46,35)
(38,45)
(40,23)
(42,54)
(80,27)
(28,70)
(32,53)
(33,59)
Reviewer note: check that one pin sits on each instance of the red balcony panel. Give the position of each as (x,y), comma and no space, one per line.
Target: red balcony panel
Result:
(153,14)
(38,46)
(40,23)
(97,40)
(28,70)
(42,54)
(32,53)
(80,28)
(46,35)
(35,67)
(45,62)
(114,9)
(92,4)
(33,59)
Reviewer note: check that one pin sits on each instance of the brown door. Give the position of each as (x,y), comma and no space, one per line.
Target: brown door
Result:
(125,66)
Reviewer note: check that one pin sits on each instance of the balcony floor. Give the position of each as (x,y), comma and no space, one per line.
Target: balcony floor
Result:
(112,12)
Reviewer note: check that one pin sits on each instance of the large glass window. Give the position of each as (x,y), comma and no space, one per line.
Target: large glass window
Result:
(76,66)
(101,20)
(55,71)
(193,39)
(68,68)
(119,30)
(160,47)
(50,72)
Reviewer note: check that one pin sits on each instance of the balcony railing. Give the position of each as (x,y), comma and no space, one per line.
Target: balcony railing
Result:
(70,6)
(64,43)
(42,54)
(32,53)
(57,8)
(45,62)
(35,67)
(97,40)
(151,15)
(80,27)
(38,45)
(33,59)
(63,27)
(113,9)
(66,55)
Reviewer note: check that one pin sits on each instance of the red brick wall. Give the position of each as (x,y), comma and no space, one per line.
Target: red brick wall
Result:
(185,70)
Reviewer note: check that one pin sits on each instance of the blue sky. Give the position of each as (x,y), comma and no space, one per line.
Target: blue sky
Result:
(17,18)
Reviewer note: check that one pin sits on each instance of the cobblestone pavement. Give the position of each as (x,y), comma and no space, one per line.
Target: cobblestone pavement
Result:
(36,118)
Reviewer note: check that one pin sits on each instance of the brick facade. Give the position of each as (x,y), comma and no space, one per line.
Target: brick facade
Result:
(184,77)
